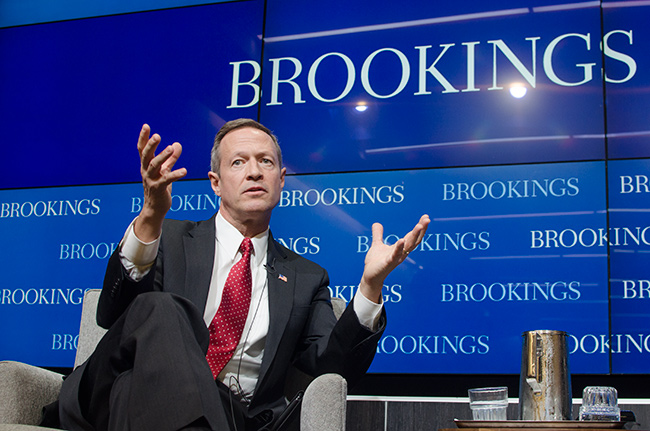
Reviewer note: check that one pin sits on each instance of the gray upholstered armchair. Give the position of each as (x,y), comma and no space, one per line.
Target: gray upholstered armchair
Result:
(25,389)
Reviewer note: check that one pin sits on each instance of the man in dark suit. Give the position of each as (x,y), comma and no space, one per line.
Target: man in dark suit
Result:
(166,284)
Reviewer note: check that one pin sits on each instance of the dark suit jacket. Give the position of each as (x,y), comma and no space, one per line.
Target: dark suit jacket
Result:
(302,330)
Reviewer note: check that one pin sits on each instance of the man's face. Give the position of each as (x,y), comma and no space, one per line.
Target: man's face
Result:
(251,179)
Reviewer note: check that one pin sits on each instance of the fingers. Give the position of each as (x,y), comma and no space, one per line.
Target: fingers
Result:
(147,146)
(414,237)
(164,162)
(174,155)
(156,167)
(399,250)
(410,241)
(377,233)
(144,137)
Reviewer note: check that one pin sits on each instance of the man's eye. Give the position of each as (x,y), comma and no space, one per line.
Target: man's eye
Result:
(237,163)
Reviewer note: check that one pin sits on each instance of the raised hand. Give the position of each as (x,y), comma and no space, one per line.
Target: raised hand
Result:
(381,259)
(157,180)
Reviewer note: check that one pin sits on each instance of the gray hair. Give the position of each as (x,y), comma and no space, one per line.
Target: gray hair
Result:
(215,155)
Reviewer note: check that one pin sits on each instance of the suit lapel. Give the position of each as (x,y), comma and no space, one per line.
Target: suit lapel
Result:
(199,245)
(281,284)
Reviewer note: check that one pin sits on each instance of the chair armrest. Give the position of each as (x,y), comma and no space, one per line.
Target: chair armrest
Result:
(324,405)
(24,391)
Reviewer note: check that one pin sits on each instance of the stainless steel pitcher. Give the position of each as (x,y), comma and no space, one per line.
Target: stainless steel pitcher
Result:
(545,382)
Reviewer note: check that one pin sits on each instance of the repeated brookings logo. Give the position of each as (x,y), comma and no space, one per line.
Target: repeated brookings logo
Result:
(436,241)
(412,344)
(636,289)
(391,293)
(634,184)
(54,208)
(511,189)
(524,291)
(471,344)
(301,245)
(293,197)
(42,296)
(338,196)
(588,237)
(604,344)
(184,202)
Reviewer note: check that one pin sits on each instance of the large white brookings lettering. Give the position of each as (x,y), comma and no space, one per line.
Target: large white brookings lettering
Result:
(291,68)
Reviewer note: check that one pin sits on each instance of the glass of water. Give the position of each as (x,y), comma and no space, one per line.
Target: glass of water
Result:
(600,403)
(488,404)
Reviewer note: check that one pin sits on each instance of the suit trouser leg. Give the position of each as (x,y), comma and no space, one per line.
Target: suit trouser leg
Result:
(149,371)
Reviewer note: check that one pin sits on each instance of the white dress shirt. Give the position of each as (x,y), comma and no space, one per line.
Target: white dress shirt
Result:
(242,371)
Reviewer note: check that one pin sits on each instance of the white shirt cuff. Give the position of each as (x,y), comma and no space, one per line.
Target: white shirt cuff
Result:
(136,256)
(368,312)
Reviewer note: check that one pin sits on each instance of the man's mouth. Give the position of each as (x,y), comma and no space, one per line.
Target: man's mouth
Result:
(255,190)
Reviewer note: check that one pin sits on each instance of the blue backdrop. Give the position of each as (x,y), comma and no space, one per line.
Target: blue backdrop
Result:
(538,202)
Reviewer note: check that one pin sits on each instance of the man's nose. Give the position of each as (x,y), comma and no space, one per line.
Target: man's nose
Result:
(254,171)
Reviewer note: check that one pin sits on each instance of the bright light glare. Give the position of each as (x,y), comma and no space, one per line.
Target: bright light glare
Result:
(518,90)
(361,108)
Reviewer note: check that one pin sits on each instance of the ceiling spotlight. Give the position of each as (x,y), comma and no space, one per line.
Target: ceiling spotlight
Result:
(518,90)
(361,107)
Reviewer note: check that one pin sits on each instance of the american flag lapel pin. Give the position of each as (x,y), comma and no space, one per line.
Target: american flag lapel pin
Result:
(282,277)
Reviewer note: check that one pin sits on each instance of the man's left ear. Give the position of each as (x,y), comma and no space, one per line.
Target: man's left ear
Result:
(214,182)
(282,173)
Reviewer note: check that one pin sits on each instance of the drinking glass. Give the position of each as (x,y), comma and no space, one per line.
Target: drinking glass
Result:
(600,403)
(488,404)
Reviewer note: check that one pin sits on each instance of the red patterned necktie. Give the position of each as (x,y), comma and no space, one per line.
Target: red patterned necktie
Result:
(228,324)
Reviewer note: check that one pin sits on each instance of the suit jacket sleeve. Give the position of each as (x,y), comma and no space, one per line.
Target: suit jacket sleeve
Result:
(119,290)
(329,346)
